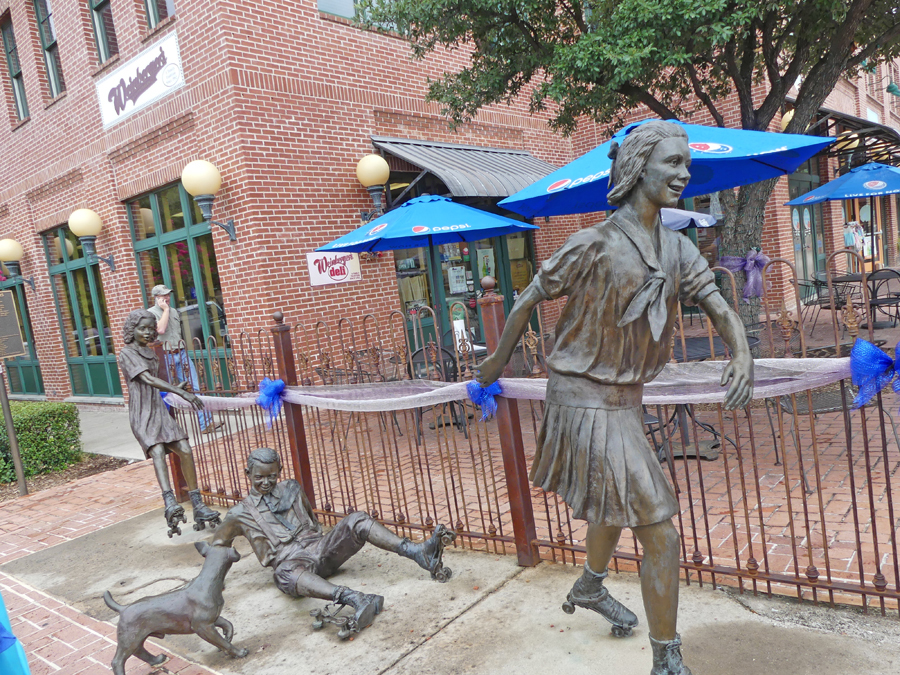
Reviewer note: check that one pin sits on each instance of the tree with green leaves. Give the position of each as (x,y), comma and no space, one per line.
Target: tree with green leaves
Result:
(601,59)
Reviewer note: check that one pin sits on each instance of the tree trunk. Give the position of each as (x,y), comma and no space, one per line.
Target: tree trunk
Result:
(743,219)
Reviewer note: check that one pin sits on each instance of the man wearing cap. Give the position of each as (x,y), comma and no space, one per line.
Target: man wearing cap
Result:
(168,324)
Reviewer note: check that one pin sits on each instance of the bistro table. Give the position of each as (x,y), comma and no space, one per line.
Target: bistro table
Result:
(695,349)
(876,303)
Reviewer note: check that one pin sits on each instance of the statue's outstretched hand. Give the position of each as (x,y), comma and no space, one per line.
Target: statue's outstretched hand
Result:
(192,398)
(739,372)
(489,370)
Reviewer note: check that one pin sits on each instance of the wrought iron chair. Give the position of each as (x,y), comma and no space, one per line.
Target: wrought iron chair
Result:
(814,296)
(431,363)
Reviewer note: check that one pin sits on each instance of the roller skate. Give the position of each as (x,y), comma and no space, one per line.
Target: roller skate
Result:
(202,513)
(366,606)
(590,593)
(667,657)
(174,513)
(429,554)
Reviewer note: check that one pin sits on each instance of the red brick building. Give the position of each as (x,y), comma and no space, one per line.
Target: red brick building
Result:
(105,101)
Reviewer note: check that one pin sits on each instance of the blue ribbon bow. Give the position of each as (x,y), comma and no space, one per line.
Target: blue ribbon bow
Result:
(484,396)
(269,399)
(871,369)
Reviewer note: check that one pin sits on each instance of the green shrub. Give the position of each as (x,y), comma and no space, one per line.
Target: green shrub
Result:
(49,438)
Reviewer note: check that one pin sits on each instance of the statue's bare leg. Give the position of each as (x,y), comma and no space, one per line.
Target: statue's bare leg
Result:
(659,587)
(174,513)
(589,591)
(428,554)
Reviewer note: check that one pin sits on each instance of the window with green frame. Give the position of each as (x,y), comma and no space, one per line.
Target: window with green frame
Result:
(157,10)
(104,30)
(47,31)
(23,372)
(174,247)
(14,67)
(82,316)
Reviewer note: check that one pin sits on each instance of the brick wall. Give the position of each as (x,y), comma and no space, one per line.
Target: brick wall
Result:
(283,99)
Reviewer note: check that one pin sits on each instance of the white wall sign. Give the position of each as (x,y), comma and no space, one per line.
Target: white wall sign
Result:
(333,268)
(152,74)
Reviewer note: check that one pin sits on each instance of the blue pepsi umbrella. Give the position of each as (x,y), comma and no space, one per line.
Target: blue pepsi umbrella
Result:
(868,180)
(428,220)
(679,219)
(721,159)
(424,221)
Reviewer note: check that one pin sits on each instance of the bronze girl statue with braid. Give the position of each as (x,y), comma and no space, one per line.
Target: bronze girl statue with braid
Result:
(152,425)
(624,278)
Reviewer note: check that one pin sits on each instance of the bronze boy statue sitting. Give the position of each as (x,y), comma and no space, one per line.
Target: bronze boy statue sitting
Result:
(154,428)
(624,278)
(278,521)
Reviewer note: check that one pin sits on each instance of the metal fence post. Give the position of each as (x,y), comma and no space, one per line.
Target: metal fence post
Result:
(293,414)
(510,431)
(179,484)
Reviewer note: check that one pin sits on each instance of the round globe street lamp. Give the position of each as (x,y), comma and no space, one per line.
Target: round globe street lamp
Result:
(86,225)
(373,172)
(11,253)
(202,180)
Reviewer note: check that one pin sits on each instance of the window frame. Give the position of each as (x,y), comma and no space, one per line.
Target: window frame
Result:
(50,48)
(193,229)
(102,31)
(152,9)
(7,36)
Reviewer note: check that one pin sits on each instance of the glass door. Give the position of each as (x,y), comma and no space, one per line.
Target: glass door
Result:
(23,372)
(872,222)
(83,319)
(174,247)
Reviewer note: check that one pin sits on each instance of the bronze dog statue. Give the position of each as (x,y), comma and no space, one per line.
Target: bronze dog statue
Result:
(195,608)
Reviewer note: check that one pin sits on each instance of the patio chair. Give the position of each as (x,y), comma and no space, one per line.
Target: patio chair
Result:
(443,368)
(814,296)
(824,400)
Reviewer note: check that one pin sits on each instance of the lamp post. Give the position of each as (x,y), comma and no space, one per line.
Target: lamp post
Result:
(373,172)
(202,180)
(11,253)
(86,225)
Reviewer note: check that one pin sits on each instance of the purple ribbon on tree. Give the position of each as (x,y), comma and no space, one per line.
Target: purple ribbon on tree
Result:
(871,369)
(752,266)
(269,399)
(484,396)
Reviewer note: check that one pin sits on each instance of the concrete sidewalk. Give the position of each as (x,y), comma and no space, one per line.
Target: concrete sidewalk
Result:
(63,547)
(108,432)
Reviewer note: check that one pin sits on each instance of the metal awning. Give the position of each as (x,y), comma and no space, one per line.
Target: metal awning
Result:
(469,170)
(877,142)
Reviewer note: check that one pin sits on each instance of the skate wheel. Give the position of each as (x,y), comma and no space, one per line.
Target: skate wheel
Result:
(622,631)
(568,607)
(344,633)
(443,575)
(169,533)
(318,625)
(199,526)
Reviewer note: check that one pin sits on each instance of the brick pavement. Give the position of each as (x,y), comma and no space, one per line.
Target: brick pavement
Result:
(56,637)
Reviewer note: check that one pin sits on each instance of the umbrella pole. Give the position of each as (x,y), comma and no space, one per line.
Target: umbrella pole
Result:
(438,307)
(872,229)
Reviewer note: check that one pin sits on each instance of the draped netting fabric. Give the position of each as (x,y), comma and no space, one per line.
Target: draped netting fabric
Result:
(677,383)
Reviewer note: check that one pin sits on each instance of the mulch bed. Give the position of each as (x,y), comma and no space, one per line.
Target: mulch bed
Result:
(90,465)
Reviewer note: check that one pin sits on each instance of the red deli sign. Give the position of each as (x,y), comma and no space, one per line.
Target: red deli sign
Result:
(333,268)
